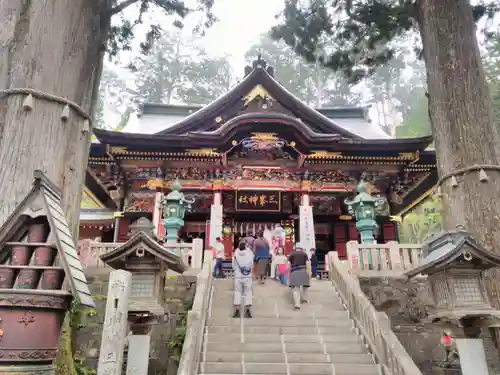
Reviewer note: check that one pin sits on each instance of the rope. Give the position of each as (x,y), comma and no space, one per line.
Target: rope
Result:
(49,97)
(466,170)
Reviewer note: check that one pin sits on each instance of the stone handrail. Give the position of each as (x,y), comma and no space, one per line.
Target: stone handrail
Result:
(375,326)
(196,319)
(390,259)
(90,252)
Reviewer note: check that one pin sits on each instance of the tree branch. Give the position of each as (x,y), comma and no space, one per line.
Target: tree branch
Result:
(121,6)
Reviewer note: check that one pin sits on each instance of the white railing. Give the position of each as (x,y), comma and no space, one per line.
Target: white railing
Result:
(375,326)
(390,259)
(196,319)
(90,252)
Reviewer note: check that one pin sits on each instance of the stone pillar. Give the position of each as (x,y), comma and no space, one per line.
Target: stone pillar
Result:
(139,342)
(114,332)
(306,225)
(138,354)
(197,253)
(471,351)
(216,217)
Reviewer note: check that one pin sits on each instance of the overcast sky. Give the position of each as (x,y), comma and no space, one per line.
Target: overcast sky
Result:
(241,23)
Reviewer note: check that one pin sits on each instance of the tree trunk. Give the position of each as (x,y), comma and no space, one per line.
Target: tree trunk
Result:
(462,120)
(55,47)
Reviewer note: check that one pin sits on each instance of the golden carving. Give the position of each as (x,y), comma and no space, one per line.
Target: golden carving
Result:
(257,91)
(264,137)
(324,154)
(306,185)
(155,184)
(119,150)
(345,217)
(203,152)
(217,184)
(408,155)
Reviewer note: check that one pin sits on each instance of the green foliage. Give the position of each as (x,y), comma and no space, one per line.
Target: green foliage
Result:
(423,221)
(417,123)
(64,364)
(178,69)
(176,340)
(304,80)
(122,33)
(363,31)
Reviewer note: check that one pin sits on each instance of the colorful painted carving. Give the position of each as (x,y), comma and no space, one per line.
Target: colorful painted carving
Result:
(202,201)
(140,202)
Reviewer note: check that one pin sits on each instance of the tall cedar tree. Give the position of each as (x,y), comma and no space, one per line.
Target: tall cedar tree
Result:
(57,47)
(460,106)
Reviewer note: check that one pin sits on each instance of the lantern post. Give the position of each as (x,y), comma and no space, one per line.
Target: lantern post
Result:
(363,207)
(175,206)
(454,265)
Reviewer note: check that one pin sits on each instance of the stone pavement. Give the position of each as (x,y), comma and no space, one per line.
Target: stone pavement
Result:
(320,339)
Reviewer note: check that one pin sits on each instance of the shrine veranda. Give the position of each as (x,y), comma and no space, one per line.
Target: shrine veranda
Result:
(252,159)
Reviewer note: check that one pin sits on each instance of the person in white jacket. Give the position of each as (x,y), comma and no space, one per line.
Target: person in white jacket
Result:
(243,260)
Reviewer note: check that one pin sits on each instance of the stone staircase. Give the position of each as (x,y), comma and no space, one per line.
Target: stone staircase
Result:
(321,339)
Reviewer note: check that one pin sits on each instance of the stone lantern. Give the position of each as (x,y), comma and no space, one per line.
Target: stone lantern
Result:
(363,208)
(454,265)
(148,263)
(174,208)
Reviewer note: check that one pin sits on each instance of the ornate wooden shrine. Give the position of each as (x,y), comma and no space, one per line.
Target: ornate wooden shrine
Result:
(259,150)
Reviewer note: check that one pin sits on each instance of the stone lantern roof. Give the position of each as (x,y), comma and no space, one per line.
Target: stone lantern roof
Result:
(141,244)
(455,248)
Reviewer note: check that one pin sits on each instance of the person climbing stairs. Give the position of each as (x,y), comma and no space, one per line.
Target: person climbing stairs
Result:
(320,339)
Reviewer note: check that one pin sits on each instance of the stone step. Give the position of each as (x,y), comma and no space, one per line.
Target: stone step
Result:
(281,293)
(269,304)
(333,330)
(347,336)
(250,357)
(290,369)
(330,347)
(284,313)
(299,321)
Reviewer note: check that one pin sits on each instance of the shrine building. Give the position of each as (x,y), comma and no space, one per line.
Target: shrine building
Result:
(255,160)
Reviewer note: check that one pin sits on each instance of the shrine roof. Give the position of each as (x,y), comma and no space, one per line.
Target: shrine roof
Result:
(155,118)
(186,126)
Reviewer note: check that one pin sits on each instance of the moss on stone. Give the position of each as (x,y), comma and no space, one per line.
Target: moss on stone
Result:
(64,363)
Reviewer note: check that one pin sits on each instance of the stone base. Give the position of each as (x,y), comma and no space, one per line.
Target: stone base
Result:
(27,370)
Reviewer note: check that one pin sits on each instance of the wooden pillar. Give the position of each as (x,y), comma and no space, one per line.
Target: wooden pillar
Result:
(340,238)
(157,216)
(352,231)
(389,232)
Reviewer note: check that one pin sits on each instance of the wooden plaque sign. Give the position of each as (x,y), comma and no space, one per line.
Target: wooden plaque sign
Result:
(260,201)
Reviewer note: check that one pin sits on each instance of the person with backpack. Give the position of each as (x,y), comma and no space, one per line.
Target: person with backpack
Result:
(261,250)
(242,268)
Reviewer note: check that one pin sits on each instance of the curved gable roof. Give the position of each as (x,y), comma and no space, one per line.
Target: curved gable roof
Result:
(197,121)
